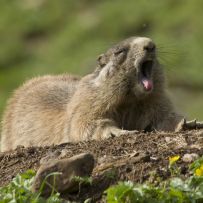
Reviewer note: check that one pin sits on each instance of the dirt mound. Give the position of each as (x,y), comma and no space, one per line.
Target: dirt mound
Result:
(119,158)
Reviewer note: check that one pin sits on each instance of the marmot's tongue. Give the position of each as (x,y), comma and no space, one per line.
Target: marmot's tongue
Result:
(147,83)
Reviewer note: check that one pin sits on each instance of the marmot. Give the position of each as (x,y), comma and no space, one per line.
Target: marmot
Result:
(126,93)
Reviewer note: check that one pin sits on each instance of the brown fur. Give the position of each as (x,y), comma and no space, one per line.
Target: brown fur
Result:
(109,102)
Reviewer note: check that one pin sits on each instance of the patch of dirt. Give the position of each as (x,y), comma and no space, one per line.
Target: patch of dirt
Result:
(120,158)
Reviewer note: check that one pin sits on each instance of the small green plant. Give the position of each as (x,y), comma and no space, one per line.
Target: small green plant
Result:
(45,182)
(19,191)
(174,169)
(197,167)
(111,174)
(83,180)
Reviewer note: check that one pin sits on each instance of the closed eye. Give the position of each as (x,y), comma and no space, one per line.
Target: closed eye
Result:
(120,51)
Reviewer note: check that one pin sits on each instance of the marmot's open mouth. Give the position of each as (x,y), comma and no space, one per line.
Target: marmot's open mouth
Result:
(145,74)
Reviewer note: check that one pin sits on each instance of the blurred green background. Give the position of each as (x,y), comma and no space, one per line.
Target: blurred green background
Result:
(55,36)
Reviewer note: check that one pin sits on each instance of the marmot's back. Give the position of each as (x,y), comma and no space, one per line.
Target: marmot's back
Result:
(39,103)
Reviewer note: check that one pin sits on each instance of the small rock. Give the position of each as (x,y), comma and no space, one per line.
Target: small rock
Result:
(79,165)
(188,158)
(195,146)
(154,158)
(167,139)
(50,156)
(64,152)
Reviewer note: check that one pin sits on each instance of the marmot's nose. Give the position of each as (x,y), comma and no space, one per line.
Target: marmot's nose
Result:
(144,44)
(149,46)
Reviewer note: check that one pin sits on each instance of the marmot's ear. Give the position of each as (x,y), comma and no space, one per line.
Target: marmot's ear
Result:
(101,60)
(106,72)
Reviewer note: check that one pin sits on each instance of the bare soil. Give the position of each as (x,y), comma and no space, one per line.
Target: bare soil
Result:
(120,158)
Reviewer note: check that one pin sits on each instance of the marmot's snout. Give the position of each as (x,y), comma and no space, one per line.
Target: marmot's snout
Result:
(144,51)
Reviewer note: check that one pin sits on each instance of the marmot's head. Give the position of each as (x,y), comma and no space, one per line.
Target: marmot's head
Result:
(130,67)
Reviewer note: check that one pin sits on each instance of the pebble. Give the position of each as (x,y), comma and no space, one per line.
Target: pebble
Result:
(188,158)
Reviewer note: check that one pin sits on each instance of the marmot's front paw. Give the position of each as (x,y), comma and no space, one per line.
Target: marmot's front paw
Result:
(188,125)
(127,132)
(116,132)
(119,132)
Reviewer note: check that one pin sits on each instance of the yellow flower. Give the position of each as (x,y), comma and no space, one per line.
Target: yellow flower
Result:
(199,171)
(173,159)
